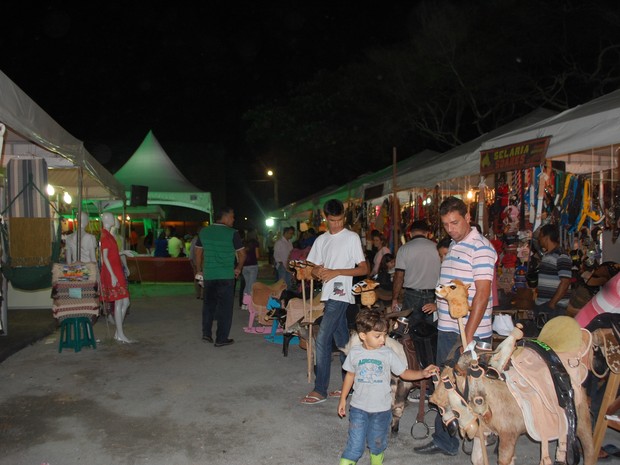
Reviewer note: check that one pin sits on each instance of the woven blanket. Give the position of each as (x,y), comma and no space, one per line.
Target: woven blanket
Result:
(81,309)
(30,241)
(22,196)
(81,274)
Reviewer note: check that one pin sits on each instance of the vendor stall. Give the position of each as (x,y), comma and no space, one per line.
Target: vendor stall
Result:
(29,133)
(562,170)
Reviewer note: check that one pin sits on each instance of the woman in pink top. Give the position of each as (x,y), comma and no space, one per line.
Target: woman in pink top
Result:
(378,242)
(607,300)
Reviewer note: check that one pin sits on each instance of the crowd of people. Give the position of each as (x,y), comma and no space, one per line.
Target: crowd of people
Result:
(407,280)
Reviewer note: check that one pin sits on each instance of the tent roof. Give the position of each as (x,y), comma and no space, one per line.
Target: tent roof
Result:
(575,134)
(462,160)
(354,190)
(150,166)
(32,132)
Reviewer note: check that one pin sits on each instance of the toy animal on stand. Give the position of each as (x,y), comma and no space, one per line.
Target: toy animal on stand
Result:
(536,390)
(366,290)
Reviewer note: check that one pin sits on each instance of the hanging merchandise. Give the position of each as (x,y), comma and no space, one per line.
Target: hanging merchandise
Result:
(586,212)
(420,208)
(540,199)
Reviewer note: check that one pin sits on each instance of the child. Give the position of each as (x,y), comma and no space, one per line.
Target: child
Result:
(385,277)
(368,368)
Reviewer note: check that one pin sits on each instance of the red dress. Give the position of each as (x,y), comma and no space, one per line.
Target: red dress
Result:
(120,291)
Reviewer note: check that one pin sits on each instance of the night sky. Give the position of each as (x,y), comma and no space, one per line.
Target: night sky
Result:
(322,89)
(109,74)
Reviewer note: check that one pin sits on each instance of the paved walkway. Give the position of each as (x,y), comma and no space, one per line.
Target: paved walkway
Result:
(173,400)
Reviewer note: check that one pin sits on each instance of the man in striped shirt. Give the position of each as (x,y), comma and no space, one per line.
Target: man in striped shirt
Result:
(554,274)
(471,259)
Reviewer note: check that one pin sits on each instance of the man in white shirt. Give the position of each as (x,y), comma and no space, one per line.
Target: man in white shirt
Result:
(338,257)
(281,250)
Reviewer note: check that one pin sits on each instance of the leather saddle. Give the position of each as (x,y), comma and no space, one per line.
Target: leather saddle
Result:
(535,383)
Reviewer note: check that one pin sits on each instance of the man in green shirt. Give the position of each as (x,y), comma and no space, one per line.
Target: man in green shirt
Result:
(216,249)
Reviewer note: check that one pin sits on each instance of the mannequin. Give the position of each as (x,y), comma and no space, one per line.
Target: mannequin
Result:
(114,286)
(88,243)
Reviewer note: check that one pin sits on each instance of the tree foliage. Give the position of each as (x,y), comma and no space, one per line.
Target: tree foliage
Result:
(467,68)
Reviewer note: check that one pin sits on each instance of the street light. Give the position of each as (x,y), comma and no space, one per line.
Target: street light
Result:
(272,174)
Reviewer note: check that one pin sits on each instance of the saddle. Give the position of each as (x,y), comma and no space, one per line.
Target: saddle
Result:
(545,377)
(260,298)
(605,354)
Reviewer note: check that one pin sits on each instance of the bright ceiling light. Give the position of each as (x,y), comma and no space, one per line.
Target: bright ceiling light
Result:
(50,190)
(67,198)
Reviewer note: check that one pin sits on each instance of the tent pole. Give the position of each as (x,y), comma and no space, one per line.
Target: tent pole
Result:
(395,203)
(78,242)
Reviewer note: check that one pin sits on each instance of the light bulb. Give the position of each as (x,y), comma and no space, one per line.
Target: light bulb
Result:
(50,190)
(67,198)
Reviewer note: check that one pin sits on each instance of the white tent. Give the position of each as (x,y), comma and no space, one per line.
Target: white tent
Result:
(463,160)
(150,166)
(586,137)
(32,132)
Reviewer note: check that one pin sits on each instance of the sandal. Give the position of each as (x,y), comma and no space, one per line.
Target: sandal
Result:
(313,398)
(336,393)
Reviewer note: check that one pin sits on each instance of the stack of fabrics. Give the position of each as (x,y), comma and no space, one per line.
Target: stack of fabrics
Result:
(74,290)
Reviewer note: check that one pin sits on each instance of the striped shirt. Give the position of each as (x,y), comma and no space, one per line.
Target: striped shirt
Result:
(470,260)
(554,266)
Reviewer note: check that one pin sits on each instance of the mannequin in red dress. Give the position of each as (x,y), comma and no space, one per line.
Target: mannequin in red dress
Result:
(113,283)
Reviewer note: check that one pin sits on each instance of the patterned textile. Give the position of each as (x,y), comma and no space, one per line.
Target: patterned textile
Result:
(26,188)
(74,290)
(30,241)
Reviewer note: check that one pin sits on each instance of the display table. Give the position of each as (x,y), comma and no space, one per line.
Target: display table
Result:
(159,269)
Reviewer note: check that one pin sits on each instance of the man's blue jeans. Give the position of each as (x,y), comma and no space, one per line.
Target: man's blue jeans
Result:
(416,299)
(446,341)
(333,328)
(284,275)
(367,428)
(219,295)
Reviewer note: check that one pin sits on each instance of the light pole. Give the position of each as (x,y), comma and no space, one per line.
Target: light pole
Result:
(272,175)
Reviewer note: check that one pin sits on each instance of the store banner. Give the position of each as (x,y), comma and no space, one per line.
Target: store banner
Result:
(514,157)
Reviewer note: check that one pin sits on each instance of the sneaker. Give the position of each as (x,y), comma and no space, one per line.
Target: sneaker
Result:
(414,395)
(226,342)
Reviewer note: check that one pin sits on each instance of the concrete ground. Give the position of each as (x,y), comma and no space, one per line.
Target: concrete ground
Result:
(172,399)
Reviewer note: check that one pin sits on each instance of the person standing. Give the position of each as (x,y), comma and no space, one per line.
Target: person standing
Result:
(379,243)
(217,248)
(281,251)
(554,274)
(175,246)
(417,271)
(195,268)
(269,242)
(471,258)
(250,268)
(338,257)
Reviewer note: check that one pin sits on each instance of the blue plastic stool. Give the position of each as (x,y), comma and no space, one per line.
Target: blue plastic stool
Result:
(75,333)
